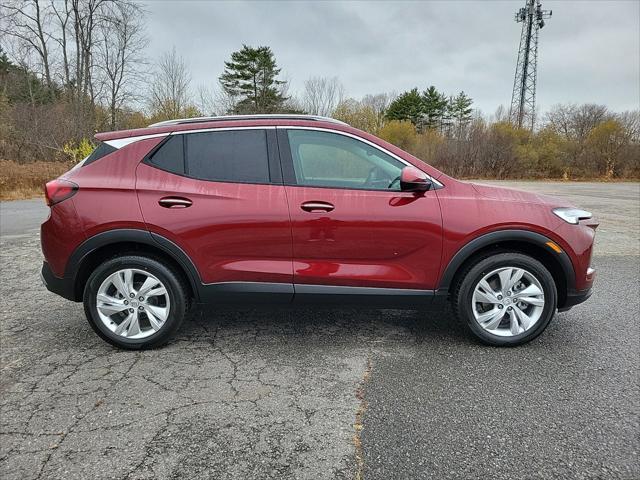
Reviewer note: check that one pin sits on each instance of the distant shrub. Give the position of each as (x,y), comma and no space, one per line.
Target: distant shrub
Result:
(78,151)
(401,133)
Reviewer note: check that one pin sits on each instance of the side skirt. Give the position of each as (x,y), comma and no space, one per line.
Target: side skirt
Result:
(283,294)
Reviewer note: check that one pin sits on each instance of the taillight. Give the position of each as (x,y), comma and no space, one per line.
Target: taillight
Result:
(58,190)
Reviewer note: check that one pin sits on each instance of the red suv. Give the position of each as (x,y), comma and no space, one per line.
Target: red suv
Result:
(291,210)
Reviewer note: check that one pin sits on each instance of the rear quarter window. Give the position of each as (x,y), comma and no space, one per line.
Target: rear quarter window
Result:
(102,150)
(170,155)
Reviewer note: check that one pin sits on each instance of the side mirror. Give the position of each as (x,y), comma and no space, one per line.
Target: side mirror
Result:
(414,180)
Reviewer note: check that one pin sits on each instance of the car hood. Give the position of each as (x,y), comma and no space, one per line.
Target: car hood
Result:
(513,195)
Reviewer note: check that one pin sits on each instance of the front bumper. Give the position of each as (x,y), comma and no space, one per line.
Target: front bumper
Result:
(61,286)
(574,297)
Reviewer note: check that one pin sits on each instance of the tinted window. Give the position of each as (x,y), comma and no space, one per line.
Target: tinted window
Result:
(228,156)
(101,150)
(326,159)
(170,155)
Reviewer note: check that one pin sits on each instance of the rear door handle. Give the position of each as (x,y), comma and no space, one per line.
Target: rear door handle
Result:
(175,202)
(317,207)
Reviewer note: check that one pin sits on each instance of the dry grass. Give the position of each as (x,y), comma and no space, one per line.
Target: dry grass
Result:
(20,181)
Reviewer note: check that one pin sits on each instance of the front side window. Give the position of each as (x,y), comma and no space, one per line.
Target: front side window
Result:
(324,159)
(228,156)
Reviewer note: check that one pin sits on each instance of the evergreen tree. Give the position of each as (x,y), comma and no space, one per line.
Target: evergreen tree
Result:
(460,111)
(17,84)
(435,107)
(251,77)
(460,107)
(408,106)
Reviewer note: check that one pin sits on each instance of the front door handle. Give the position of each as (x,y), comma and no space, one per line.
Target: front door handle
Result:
(175,202)
(317,207)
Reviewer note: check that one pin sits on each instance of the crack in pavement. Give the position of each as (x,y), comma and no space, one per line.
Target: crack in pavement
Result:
(237,394)
(358,424)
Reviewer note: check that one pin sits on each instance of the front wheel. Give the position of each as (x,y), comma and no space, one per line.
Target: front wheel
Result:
(135,302)
(506,299)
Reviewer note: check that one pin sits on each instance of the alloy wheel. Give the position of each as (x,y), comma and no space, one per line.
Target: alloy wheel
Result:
(508,301)
(133,303)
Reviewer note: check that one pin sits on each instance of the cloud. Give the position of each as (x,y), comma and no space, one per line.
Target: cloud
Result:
(589,50)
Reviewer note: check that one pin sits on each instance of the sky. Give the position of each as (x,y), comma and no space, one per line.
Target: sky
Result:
(589,51)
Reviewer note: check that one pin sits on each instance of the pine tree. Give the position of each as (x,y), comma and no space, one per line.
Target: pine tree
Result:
(408,106)
(461,108)
(460,111)
(251,77)
(435,107)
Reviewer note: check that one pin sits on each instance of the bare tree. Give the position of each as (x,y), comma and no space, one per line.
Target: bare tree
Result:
(576,121)
(322,95)
(379,103)
(87,18)
(62,11)
(631,123)
(169,96)
(501,115)
(119,54)
(25,20)
(215,101)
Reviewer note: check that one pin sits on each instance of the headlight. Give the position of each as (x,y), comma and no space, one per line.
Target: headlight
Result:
(572,215)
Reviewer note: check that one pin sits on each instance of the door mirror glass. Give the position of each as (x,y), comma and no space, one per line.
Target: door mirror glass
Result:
(414,180)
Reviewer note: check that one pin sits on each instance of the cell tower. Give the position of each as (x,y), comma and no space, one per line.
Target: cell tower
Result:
(523,100)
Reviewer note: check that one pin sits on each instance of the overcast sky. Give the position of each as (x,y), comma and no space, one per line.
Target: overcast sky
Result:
(589,50)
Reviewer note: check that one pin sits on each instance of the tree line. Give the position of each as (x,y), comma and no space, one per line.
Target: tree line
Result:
(69,68)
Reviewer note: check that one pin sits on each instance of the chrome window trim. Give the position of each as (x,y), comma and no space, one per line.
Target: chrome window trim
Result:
(121,142)
(223,129)
(124,141)
(263,116)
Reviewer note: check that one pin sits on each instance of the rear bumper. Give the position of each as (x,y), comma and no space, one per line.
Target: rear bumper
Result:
(574,298)
(59,286)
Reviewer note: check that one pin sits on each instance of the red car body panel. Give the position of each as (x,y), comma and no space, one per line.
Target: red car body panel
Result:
(577,241)
(107,196)
(470,210)
(106,200)
(232,232)
(60,234)
(239,232)
(370,238)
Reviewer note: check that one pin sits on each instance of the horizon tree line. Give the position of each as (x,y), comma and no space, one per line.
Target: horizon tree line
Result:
(71,67)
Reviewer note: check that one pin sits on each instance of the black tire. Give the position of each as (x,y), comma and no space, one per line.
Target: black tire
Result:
(173,283)
(464,289)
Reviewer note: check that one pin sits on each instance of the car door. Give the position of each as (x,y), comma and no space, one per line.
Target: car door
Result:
(351,224)
(219,196)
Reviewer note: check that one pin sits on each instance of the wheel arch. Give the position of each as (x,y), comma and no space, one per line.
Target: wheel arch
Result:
(522,241)
(105,245)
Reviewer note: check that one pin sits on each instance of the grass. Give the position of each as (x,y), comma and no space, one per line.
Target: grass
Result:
(19,181)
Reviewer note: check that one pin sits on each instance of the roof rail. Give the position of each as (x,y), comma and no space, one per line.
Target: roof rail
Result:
(181,121)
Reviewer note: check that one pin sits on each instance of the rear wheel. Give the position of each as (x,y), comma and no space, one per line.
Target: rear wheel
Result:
(135,302)
(506,299)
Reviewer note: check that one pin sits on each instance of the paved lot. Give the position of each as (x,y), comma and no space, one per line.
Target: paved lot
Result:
(282,394)
(22,218)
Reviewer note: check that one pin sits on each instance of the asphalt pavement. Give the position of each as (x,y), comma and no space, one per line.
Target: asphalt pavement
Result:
(382,394)
(22,218)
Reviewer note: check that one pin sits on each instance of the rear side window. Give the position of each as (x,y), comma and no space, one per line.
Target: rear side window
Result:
(170,155)
(101,150)
(228,156)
